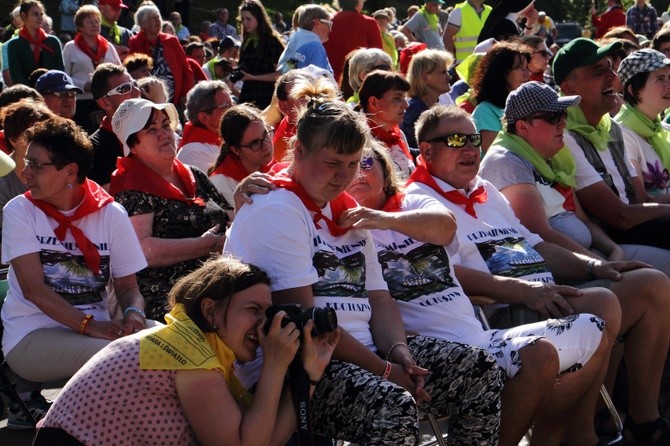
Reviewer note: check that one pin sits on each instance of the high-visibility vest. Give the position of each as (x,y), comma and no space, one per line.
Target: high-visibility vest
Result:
(465,39)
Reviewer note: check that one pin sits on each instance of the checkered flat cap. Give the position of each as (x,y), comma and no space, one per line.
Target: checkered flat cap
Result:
(534,97)
(641,61)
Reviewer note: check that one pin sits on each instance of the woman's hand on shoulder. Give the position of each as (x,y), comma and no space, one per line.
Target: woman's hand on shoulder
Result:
(255,183)
(366,218)
(280,345)
(317,351)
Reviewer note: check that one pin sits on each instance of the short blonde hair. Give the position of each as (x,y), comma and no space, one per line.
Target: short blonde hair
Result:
(425,62)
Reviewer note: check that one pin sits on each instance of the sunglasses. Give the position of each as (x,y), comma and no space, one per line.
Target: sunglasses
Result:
(122,89)
(367,162)
(459,140)
(327,22)
(552,118)
(224,106)
(64,94)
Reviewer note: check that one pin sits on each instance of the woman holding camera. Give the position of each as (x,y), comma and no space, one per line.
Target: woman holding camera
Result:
(177,213)
(175,384)
(372,392)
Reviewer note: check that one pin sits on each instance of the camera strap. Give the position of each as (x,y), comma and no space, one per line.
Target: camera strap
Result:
(299,381)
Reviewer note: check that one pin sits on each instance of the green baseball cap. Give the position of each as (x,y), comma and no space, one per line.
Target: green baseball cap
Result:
(577,53)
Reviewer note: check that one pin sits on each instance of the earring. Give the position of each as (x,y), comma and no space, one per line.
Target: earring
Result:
(69,186)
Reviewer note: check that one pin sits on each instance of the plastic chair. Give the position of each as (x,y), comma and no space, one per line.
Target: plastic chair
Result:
(479,301)
(6,386)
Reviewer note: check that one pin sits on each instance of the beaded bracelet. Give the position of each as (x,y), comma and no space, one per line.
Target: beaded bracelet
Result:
(387,372)
(397,344)
(84,323)
(134,310)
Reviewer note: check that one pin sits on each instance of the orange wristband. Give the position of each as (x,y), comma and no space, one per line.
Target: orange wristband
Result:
(84,323)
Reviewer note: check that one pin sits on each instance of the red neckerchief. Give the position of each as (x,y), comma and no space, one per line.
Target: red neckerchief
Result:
(422,175)
(390,138)
(146,45)
(284,130)
(133,175)
(340,204)
(3,143)
(394,203)
(106,124)
(37,42)
(568,194)
(95,198)
(97,57)
(232,167)
(193,133)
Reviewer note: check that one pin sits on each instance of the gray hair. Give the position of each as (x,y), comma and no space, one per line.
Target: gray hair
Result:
(144,11)
(309,14)
(202,98)
(363,60)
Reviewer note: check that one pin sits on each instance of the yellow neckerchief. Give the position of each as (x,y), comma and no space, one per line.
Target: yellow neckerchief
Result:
(181,345)
(114,31)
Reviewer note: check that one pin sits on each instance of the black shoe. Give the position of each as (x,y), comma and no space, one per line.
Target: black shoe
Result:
(652,433)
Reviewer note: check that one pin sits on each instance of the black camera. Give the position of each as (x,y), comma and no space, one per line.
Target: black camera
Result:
(236,75)
(325,319)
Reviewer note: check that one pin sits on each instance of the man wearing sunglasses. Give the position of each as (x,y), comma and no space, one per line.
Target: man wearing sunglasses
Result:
(110,85)
(540,56)
(607,184)
(60,93)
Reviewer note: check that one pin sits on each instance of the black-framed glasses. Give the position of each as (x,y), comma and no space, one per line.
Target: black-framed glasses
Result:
(257,144)
(459,140)
(367,162)
(544,53)
(36,165)
(122,89)
(552,118)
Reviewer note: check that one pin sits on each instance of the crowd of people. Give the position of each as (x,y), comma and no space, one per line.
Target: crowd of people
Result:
(168,193)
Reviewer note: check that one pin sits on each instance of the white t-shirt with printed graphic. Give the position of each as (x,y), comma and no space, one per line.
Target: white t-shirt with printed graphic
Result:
(277,234)
(495,241)
(421,279)
(26,230)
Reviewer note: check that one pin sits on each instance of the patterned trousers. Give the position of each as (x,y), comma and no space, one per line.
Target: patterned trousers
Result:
(464,382)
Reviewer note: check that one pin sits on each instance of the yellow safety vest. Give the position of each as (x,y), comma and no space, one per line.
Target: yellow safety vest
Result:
(465,39)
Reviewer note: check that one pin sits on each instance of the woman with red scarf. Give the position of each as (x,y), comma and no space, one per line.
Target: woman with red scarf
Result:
(66,241)
(382,98)
(247,148)
(32,48)
(170,62)
(82,55)
(178,215)
(294,233)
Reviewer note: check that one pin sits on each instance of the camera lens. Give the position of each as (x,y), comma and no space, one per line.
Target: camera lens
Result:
(325,320)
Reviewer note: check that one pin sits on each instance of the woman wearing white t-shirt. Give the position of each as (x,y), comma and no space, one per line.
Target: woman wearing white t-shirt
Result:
(379,379)
(66,241)
(646,78)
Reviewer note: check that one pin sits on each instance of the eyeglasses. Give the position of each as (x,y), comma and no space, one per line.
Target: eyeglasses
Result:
(458,140)
(36,165)
(224,106)
(544,53)
(122,89)
(257,144)
(552,118)
(327,22)
(64,94)
(382,67)
(367,162)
